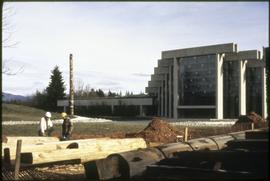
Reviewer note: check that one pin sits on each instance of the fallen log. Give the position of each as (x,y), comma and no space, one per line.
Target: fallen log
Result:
(86,151)
(122,165)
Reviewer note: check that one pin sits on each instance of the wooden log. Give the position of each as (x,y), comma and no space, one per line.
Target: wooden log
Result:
(251,144)
(97,149)
(221,140)
(257,134)
(169,149)
(124,165)
(9,156)
(12,140)
(203,144)
(238,135)
(165,172)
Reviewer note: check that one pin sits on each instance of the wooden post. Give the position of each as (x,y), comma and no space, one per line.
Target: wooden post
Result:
(71,88)
(252,126)
(18,160)
(186,134)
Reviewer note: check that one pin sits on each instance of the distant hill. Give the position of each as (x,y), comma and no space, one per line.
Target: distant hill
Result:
(7,97)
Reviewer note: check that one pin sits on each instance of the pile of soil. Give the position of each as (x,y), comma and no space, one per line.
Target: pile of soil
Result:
(158,131)
(245,121)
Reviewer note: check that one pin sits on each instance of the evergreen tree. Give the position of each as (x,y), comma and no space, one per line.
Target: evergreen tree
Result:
(55,90)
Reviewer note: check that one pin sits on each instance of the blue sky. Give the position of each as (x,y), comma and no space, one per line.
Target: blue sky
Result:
(116,45)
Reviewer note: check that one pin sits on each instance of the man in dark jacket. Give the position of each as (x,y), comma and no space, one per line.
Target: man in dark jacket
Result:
(66,127)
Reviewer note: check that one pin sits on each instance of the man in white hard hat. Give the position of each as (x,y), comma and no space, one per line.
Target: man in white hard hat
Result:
(45,125)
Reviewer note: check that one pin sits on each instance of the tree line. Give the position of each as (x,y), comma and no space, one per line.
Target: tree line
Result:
(56,90)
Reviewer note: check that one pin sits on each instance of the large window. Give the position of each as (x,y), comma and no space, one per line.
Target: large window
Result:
(254,89)
(231,89)
(197,80)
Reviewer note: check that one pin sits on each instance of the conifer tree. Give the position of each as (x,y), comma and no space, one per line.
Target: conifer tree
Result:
(55,90)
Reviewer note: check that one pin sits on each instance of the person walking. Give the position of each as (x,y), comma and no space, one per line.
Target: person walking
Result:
(45,125)
(67,126)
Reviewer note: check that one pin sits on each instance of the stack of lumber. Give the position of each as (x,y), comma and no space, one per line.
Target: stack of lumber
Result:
(83,150)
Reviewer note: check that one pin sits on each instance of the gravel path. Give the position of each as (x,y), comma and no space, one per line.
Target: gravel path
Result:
(189,123)
(59,121)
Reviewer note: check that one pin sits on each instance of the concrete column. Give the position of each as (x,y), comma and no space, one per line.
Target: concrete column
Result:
(159,101)
(162,100)
(219,86)
(65,109)
(175,88)
(141,110)
(112,108)
(264,104)
(166,96)
(242,87)
(170,93)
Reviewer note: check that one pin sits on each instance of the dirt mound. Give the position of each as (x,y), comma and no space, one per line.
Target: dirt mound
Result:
(245,121)
(158,131)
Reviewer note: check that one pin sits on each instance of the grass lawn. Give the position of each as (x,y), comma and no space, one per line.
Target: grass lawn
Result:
(108,129)
(13,112)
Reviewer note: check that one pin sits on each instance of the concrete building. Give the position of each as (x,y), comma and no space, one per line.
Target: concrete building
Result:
(143,103)
(214,81)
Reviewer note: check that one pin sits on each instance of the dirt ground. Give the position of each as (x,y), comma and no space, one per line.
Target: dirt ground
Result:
(157,131)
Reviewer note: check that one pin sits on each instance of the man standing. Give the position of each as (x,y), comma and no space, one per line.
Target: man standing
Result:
(66,127)
(45,125)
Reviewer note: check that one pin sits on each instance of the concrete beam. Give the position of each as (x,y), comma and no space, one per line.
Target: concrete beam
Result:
(158,77)
(256,63)
(165,62)
(156,83)
(203,50)
(243,55)
(161,70)
(151,89)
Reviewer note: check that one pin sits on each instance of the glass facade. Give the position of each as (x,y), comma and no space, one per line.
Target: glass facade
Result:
(231,89)
(254,89)
(197,86)
(197,80)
